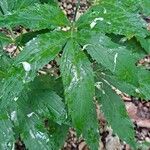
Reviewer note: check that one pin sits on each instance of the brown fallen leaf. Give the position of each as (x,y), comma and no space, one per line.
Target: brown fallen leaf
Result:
(10,48)
(148,27)
(132,111)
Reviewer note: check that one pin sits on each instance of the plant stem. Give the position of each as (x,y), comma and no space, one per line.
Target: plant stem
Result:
(77,7)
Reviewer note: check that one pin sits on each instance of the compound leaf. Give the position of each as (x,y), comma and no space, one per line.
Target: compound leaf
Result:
(78,83)
(4,39)
(38,134)
(8,6)
(145,43)
(103,18)
(115,113)
(36,17)
(112,56)
(144,83)
(145,4)
(37,111)
(35,55)
(6,133)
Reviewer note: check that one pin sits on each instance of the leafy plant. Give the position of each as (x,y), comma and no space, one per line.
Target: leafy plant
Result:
(99,52)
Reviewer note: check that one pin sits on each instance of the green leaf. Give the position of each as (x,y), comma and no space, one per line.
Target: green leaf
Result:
(122,85)
(40,140)
(112,56)
(4,40)
(35,55)
(40,16)
(46,82)
(59,135)
(145,43)
(37,111)
(132,45)
(49,104)
(26,37)
(33,137)
(103,18)
(42,49)
(145,4)
(78,83)
(115,82)
(121,62)
(6,133)
(5,63)
(8,6)
(115,112)
(45,103)
(36,135)
(144,83)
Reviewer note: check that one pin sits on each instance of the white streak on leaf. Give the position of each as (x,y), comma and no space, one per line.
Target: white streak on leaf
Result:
(29,115)
(66,116)
(115,61)
(123,40)
(40,135)
(85,46)
(9,144)
(105,11)
(99,85)
(13,148)
(137,91)
(13,116)
(24,81)
(92,25)
(109,23)
(29,43)
(26,66)
(32,135)
(97,130)
(75,78)
(57,29)
(15,99)
(94,22)
(47,140)
(65,29)
(99,19)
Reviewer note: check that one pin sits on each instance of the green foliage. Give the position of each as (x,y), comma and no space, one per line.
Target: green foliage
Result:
(145,43)
(40,16)
(8,6)
(6,134)
(77,74)
(103,18)
(4,40)
(116,111)
(41,115)
(96,53)
(145,7)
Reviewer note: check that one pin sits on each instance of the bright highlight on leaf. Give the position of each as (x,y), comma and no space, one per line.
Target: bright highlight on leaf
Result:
(94,22)
(26,66)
